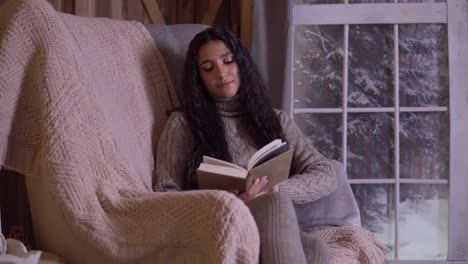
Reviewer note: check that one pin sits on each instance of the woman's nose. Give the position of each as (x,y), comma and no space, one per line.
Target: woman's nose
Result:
(222,71)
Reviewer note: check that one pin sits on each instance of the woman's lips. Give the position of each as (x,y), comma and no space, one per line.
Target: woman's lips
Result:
(223,84)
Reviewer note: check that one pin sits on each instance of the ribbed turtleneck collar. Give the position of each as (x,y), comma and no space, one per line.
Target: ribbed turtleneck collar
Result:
(229,107)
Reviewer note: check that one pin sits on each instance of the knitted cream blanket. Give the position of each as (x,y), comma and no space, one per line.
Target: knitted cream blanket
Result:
(82,104)
(352,245)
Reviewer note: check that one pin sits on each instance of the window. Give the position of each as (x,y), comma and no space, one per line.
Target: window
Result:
(382,87)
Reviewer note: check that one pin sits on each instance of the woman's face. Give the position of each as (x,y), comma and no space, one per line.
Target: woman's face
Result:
(218,69)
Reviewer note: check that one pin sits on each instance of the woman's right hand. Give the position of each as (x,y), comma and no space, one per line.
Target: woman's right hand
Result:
(254,189)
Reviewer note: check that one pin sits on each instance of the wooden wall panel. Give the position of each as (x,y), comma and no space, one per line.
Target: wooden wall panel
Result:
(246,22)
(116,7)
(185,12)
(152,13)
(68,6)
(208,15)
(200,7)
(103,8)
(85,8)
(168,10)
(135,10)
(233,14)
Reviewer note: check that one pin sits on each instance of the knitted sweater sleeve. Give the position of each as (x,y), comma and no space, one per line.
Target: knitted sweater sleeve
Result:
(312,175)
(175,144)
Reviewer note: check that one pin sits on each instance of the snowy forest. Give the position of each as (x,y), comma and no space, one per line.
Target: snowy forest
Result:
(424,136)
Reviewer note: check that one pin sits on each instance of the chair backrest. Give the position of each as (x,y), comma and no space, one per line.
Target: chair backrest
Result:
(172,42)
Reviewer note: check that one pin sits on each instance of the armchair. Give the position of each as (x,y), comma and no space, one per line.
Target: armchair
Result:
(83,101)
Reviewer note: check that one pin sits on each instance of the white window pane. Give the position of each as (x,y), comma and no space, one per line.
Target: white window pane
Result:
(423,221)
(424,145)
(370,66)
(324,130)
(318,66)
(376,204)
(422,1)
(424,78)
(369,1)
(314,2)
(370,146)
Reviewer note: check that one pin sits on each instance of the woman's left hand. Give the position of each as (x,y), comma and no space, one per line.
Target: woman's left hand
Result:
(254,190)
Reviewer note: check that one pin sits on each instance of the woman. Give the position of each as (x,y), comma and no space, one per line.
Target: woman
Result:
(227,114)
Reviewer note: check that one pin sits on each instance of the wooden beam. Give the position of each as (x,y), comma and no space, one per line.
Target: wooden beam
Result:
(246,22)
(210,14)
(68,6)
(85,8)
(135,10)
(234,16)
(92,8)
(116,9)
(153,11)
(185,12)
(57,4)
(81,8)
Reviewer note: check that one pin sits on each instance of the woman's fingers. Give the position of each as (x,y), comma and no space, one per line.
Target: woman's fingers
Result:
(254,189)
(257,186)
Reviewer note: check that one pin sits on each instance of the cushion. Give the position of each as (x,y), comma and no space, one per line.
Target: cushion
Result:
(339,208)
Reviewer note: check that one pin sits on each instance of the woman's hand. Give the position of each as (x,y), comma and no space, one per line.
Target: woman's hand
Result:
(254,189)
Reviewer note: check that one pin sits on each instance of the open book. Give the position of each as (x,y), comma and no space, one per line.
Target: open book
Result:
(273,160)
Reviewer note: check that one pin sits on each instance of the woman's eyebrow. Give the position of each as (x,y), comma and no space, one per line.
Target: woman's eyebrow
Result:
(222,56)
(225,54)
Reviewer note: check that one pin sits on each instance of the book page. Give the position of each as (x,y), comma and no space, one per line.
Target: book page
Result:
(276,169)
(223,170)
(214,161)
(270,147)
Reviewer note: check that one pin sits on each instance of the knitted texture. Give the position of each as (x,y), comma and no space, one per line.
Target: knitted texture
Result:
(82,104)
(352,245)
(312,175)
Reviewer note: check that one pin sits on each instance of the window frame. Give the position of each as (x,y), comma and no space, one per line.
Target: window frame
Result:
(453,13)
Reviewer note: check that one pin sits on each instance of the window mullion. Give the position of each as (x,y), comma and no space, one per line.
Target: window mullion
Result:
(345,98)
(396,83)
(371,109)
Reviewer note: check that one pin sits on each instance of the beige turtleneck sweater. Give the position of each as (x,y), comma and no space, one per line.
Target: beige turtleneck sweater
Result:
(312,175)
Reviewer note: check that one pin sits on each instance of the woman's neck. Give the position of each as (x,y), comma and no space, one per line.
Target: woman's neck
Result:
(228,107)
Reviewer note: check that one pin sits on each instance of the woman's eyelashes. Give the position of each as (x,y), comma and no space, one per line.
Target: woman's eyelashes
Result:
(208,66)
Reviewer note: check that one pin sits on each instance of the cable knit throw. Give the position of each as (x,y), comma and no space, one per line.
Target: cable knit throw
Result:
(82,104)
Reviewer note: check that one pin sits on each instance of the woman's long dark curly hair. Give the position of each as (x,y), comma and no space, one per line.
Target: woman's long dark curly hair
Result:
(200,110)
